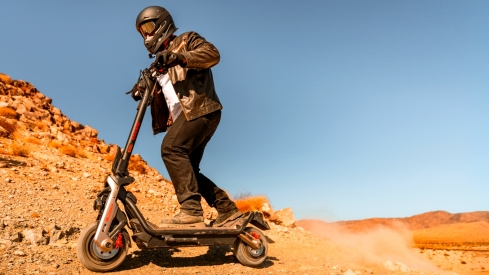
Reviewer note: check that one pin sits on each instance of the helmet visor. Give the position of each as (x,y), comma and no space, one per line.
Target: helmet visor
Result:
(147,28)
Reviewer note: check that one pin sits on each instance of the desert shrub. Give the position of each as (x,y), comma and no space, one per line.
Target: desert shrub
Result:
(109,157)
(104,149)
(19,149)
(136,163)
(68,150)
(33,140)
(16,135)
(4,151)
(54,144)
(7,126)
(42,125)
(250,203)
(83,154)
(8,112)
(5,78)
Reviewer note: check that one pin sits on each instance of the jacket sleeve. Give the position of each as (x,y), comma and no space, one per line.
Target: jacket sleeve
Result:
(200,53)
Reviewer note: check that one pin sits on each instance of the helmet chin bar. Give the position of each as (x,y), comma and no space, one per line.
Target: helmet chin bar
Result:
(163,23)
(169,31)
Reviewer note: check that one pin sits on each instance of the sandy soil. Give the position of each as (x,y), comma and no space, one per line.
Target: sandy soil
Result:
(467,262)
(35,195)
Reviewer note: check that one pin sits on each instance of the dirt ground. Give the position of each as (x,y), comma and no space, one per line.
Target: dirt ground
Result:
(468,261)
(53,193)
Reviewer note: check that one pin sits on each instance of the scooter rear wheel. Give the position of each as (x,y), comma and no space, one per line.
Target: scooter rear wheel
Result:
(247,255)
(93,258)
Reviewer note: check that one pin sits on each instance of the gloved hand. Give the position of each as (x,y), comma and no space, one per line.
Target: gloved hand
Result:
(135,92)
(170,59)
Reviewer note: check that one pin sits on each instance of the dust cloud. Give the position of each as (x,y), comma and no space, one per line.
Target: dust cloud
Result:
(375,246)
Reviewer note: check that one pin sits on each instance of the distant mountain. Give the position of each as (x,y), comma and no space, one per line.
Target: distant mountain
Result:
(421,221)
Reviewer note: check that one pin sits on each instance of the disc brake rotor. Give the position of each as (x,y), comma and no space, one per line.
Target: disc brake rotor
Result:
(255,252)
(104,255)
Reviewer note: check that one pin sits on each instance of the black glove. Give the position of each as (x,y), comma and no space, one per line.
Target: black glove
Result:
(170,59)
(136,92)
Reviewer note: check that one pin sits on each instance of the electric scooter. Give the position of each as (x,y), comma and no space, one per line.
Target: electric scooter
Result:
(104,244)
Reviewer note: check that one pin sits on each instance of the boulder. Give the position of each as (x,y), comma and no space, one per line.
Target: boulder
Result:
(30,116)
(286,217)
(396,267)
(56,111)
(21,109)
(77,126)
(90,132)
(54,233)
(34,236)
(63,138)
(40,95)
(67,126)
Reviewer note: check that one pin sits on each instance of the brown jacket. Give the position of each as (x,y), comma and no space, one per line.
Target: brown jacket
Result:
(193,84)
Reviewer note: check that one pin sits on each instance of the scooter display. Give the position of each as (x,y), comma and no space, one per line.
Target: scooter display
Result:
(104,244)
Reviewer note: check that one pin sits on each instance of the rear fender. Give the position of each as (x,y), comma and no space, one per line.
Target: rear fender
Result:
(259,222)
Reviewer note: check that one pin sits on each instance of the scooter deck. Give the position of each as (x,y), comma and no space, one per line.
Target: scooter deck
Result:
(234,227)
(180,236)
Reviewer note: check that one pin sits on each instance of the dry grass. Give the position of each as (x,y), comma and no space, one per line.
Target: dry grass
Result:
(83,154)
(5,78)
(33,140)
(7,126)
(68,150)
(136,163)
(109,157)
(16,135)
(458,235)
(55,144)
(8,112)
(18,149)
(89,142)
(250,203)
(41,125)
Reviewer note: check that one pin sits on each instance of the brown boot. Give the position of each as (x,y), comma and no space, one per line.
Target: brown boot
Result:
(183,219)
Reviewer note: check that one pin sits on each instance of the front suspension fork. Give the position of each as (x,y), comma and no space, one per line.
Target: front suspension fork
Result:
(104,238)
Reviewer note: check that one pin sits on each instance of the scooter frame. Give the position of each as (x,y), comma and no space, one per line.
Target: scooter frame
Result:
(111,220)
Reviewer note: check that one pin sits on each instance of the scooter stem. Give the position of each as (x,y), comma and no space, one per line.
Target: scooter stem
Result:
(143,104)
(121,160)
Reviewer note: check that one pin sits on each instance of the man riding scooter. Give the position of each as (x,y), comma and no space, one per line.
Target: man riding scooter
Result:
(187,108)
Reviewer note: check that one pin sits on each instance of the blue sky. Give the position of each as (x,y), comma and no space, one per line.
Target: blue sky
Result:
(339,109)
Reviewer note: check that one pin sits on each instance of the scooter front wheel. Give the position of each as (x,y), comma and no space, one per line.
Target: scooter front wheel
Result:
(93,258)
(248,256)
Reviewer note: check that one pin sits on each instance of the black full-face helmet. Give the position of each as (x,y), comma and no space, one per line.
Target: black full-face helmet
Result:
(155,24)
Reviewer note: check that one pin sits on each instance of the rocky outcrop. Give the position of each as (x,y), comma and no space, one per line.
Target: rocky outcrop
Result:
(285,217)
(39,118)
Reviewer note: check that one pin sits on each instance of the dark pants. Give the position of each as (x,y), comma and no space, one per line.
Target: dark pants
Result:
(182,150)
